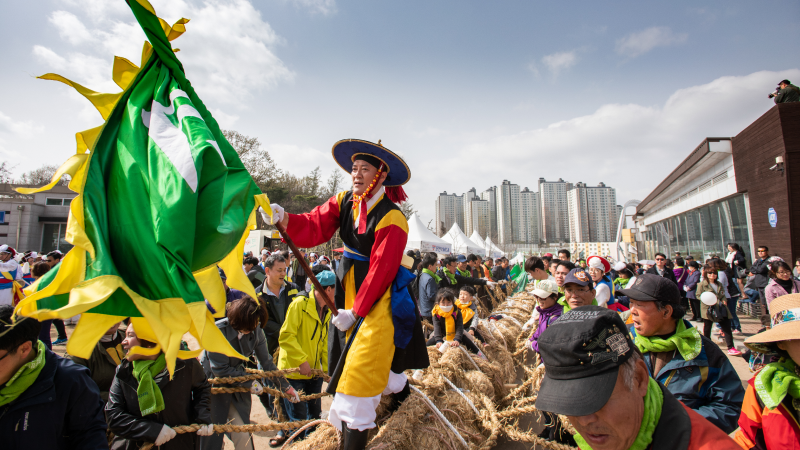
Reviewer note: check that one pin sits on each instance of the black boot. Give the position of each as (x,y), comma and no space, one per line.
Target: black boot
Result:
(398,399)
(354,439)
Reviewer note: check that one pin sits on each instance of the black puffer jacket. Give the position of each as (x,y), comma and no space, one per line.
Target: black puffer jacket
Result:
(186,401)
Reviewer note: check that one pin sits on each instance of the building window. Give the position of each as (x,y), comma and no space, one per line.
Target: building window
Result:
(53,238)
(54,201)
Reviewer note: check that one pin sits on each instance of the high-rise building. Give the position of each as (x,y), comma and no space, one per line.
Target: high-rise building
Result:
(490,195)
(470,195)
(449,210)
(529,217)
(476,217)
(554,212)
(508,209)
(593,213)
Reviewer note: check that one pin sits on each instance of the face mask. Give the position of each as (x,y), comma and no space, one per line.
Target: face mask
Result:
(446,308)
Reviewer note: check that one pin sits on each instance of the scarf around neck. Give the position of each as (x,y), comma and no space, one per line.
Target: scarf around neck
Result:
(24,377)
(775,381)
(545,317)
(450,276)
(436,278)
(449,321)
(686,340)
(150,398)
(653,402)
(466,311)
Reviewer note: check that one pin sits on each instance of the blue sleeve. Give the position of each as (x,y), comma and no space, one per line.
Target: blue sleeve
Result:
(724,395)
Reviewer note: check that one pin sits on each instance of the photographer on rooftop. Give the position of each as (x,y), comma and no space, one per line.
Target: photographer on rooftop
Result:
(785,92)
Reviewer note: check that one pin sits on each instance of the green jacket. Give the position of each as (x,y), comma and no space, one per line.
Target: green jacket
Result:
(304,337)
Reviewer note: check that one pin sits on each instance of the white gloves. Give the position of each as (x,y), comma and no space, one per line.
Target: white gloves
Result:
(277,214)
(165,435)
(491,284)
(344,320)
(256,388)
(296,397)
(206,430)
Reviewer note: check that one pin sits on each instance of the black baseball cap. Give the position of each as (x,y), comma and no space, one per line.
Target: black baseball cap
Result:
(578,276)
(651,287)
(582,352)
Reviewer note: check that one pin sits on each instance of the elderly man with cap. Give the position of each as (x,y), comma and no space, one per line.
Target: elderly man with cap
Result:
(691,367)
(578,290)
(595,375)
(378,334)
(10,277)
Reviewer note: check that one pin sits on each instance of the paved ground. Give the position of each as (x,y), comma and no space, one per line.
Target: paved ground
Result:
(261,440)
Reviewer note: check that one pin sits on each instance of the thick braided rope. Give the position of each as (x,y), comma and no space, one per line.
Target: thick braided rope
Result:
(453,386)
(258,374)
(441,416)
(248,428)
(299,431)
(273,392)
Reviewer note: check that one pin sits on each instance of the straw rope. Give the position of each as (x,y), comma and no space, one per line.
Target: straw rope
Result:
(248,428)
(258,374)
(273,392)
(441,416)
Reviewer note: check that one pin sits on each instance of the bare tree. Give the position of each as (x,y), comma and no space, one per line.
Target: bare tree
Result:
(335,184)
(407,209)
(5,173)
(42,175)
(256,160)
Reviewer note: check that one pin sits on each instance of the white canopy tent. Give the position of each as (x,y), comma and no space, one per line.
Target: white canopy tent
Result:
(491,249)
(460,241)
(420,237)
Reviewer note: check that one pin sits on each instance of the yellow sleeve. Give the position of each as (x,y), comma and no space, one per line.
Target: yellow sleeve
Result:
(292,353)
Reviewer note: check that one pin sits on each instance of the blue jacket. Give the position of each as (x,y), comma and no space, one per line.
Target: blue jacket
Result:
(60,410)
(707,384)
(691,281)
(427,294)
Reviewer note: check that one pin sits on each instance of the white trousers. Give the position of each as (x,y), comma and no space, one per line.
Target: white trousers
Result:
(359,412)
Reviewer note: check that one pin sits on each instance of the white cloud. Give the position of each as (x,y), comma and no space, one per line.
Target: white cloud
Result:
(630,147)
(641,42)
(70,27)
(224,120)
(15,130)
(560,61)
(324,7)
(228,51)
(299,160)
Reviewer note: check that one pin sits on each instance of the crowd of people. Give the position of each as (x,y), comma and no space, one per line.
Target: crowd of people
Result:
(620,358)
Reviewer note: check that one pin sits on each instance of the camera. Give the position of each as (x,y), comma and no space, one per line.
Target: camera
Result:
(777,91)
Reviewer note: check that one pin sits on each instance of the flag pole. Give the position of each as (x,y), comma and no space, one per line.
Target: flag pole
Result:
(306,268)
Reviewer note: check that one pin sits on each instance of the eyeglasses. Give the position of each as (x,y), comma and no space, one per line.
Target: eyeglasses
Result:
(660,259)
(762,251)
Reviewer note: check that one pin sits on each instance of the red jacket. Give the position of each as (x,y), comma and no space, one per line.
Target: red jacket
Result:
(761,428)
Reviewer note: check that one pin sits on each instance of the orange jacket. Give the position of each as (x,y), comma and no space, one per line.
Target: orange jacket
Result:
(761,428)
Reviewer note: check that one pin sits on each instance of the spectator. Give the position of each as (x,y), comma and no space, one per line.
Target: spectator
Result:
(732,293)
(454,274)
(46,402)
(582,263)
(499,272)
(781,283)
(578,290)
(37,271)
(469,310)
(564,254)
(448,323)
(53,259)
(254,271)
(681,273)
(771,406)
(604,289)
(230,293)
(738,265)
(337,259)
(552,266)
(277,294)
(547,258)
(690,287)
(625,279)
(298,273)
(145,401)
(106,356)
(537,269)
(304,344)
(718,312)
(563,269)
(548,309)
(796,271)
(786,92)
(487,269)
(428,285)
(691,367)
(243,330)
(661,269)
(607,394)
(760,269)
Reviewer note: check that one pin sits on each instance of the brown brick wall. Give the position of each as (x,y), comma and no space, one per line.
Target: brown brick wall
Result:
(776,133)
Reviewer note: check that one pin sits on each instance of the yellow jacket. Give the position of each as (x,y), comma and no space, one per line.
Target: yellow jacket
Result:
(304,337)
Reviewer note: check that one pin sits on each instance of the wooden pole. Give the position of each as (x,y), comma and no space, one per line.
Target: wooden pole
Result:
(302,261)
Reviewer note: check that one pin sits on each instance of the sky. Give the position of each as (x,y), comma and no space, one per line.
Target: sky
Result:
(470,93)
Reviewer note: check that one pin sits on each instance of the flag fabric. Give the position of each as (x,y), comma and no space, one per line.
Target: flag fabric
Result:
(163,199)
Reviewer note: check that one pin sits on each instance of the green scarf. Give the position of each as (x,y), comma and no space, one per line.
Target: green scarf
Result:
(776,380)
(150,398)
(686,340)
(433,274)
(450,276)
(24,377)
(653,402)
(463,273)
(563,302)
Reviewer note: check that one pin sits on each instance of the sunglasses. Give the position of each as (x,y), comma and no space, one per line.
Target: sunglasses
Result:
(660,259)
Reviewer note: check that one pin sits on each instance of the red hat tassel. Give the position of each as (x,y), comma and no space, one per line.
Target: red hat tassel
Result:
(396,194)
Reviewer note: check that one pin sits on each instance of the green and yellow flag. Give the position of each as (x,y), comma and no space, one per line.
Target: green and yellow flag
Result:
(163,199)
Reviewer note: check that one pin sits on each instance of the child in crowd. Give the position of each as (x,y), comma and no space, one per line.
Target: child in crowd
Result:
(448,323)
(468,306)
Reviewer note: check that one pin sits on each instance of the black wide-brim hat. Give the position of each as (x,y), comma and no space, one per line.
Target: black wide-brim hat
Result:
(345,151)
